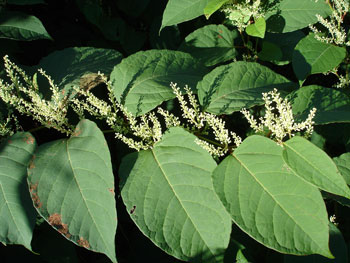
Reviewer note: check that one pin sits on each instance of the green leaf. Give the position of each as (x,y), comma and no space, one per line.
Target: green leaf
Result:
(284,44)
(343,164)
(332,105)
(270,52)
(78,66)
(211,44)
(178,11)
(142,81)
(311,56)
(291,15)
(257,29)
(17,214)
(213,6)
(337,245)
(72,187)
(20,26)
(314,165)
(231,87)
(269,202)
(169,194)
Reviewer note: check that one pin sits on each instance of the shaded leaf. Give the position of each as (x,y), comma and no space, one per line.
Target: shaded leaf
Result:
(20,26)
(17,214)
(231,87)
(78,66)
(169,194)
(178,11)
(311,56)
(314,165)
(72,187)
(291,15)
(343,164)
(285,43)
(211,44)
(142,81)
(332,105)
(269,202)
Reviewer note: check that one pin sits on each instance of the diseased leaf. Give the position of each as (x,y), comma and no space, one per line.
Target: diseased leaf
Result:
(17,214)
(269,202)
(142,81)
(291,15)
(169,194)
(72,187)
(178,11)
(332,105)
(314,165)
(231,87)
(211,44)
(343,164)
(311,56)
(20,26)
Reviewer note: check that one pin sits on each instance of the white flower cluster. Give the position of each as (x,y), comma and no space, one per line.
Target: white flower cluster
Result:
(279,118)
(205,121)
(26,99)
(240,13)
(336,33)
(5,125)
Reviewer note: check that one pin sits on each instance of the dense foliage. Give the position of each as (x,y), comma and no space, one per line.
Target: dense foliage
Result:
(175,131)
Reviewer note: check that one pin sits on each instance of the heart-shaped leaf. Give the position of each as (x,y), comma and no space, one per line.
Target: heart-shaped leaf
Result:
(257,29)
(169,194)
(72,186)
(270,203)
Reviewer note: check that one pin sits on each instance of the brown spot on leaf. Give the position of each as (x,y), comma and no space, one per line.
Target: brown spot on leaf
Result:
(111,190)
(83,242)
(9,141)
(56,221)
(34,193)
(77,132)
(31,164)
(29,139)
(219,36)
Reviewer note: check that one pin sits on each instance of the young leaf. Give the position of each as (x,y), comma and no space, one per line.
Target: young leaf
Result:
(332,105)
(269,202)
(314,165)
(311,56)
(211,44)
(213,6)
(229,88)
(17,214)
(20,26)
(142,81)
(343,164)
(291,15)
(169,194)
(257,29)
(72,186)
(178,11)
